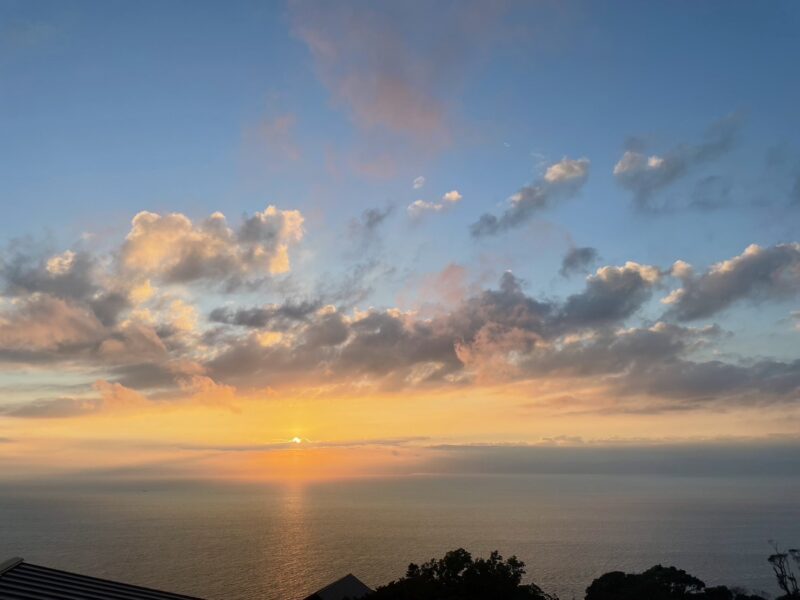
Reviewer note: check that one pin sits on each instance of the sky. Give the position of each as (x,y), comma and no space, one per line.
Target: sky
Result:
(267,240)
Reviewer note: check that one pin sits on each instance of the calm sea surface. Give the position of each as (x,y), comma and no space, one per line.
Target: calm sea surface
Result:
(283,542)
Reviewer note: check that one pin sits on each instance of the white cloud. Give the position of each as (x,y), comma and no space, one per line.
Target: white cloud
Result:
(418,208)
(452,196)
(418,182)
(173,249)
(567,169)
(60,264)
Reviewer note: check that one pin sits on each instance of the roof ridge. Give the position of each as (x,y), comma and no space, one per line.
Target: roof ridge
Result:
(9,564)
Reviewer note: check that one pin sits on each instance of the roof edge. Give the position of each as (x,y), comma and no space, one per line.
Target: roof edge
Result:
(9,564)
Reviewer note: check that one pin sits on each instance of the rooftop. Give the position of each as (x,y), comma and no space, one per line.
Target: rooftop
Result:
(348,586)
(20,580)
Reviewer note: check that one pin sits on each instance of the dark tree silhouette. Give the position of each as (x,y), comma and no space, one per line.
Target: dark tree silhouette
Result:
(659,583)
(785,573)
(457,576)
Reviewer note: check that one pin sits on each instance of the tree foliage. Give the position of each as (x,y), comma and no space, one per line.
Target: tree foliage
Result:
(457,576)
(659,583)
(785,571)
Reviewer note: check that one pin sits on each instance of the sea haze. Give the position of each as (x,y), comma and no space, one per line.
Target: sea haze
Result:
(281,542)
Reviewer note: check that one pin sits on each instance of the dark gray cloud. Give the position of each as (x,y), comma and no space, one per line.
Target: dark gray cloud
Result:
(277,316)
(373,217)
(646,175)
(561,181)
(712,458)
(756,275)
(614,353)
(700,383)
(578,260)
(611,295)
(363,232)
(27,268)
(529,338)
(42,323)
(384,344)
(49,408)
(401,349)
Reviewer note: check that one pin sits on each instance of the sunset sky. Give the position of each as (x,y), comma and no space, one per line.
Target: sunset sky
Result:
(401,233)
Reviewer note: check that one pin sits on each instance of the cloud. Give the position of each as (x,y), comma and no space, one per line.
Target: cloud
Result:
(370,220)
(364,232)
(155,340)
(274,316)
(611,294)
(567,170)
(173,249)
(453,197)
(711,193)
(115,396)
(577,260)
(758,274)
(386,75)
(111,397)
(51,408)
(666,457)
(562,180)
(289,444)
(397,349)
(41,323)
(646,175)
(418,183)
(699,383)
(102,310)
(418,208)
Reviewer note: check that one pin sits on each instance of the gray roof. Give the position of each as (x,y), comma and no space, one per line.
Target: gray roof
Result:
(20,580)
(348,586)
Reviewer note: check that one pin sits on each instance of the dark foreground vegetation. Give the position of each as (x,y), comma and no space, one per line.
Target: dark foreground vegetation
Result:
(458,576)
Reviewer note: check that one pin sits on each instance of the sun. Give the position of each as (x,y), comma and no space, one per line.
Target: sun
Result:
(296,440)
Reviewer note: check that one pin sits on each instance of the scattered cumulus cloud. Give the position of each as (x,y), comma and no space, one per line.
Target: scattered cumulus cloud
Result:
(130,320)
(567,170)
(562,180)
(578,260)
(756,275)
(419,208)
(644,174)
(173,249)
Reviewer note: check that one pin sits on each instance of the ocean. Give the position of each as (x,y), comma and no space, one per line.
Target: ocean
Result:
(282,542)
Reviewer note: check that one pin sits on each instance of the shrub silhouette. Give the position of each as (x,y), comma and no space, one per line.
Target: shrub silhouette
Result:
(457,576)
(659,583)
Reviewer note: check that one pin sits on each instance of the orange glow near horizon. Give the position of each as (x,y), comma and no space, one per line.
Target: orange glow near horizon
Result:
(208,441)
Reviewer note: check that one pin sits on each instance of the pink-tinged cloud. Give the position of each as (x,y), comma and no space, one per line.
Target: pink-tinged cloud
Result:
(387,76)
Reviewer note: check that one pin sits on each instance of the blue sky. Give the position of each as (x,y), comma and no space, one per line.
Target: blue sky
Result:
(108,109)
